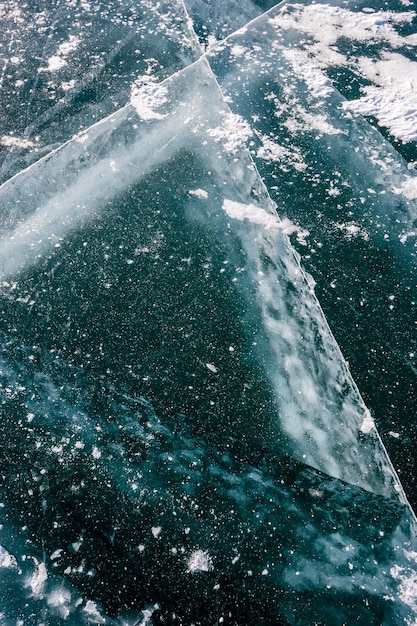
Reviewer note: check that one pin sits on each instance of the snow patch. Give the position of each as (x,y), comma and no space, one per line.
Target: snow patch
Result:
(10,141)
(201,194)
(233,132)
(147,96)
(251,213)
(38,580)
(392,97)
(199,561)
(368,424)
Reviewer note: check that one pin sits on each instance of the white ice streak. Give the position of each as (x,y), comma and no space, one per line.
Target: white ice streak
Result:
(201,194)
(310,412)
(45,228)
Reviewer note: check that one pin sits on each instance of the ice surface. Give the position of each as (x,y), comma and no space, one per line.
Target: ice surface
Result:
(182,440)
(165,523)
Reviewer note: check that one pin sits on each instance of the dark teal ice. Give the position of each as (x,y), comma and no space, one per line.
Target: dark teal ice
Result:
(193,222)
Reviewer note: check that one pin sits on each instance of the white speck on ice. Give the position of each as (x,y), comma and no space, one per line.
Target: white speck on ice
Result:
(352,230)
(56,554)
(156,531)
(212,368)
(55,63)
(394,434)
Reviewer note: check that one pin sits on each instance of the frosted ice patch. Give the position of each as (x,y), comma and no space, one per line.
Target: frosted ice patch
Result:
(327,24)
(407,585)
(68,46)
(199,561)
(147,96)
(237,50)
(274,152)
(318,83)
(60,599)
(352,230)
(408,188)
